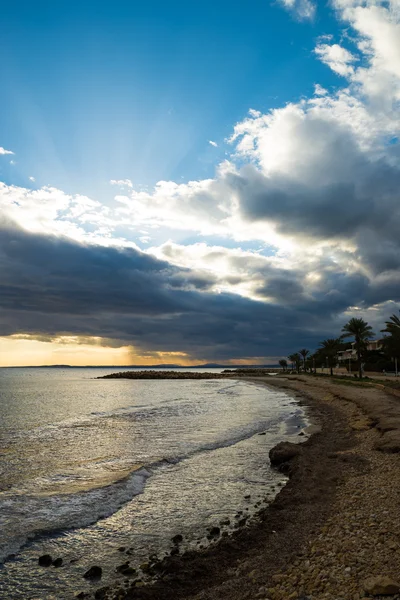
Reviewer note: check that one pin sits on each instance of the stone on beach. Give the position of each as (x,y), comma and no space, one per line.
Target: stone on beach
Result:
(45,560)
(381,586)
(94,572)
(283,453)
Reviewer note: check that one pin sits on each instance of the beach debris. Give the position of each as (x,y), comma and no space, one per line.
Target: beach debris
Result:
(382,585)
(45,560)
(94,572)
(121,549)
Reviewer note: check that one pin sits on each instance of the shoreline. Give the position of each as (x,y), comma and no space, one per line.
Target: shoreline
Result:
(296,548)
(304,501)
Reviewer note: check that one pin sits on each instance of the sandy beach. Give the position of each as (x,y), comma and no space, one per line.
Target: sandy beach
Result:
(332,532)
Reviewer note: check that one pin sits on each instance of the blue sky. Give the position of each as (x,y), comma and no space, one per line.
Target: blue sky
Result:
(114,90)
(196,181)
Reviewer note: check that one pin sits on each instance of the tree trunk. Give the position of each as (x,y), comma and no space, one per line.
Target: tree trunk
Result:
(359,361)
(331,371)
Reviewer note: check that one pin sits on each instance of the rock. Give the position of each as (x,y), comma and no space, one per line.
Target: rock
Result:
(123,567)
(283,453)
(45,560)
(81,595)
(101,593)
(381,586)
(214,532)
(94,572)
(129,572)
(362,424)
(177,539)
(175,551)
(121,549)
(11,556)
(58,562)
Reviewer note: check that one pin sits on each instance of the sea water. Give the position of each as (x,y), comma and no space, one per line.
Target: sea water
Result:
(89,465)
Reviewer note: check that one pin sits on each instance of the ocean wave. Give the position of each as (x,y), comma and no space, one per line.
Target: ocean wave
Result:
(25,516)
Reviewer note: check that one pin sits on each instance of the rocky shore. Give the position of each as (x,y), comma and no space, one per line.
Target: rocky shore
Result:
(332,533)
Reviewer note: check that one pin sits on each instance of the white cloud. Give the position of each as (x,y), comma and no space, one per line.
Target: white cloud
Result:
(32,178)
(4,151)
(213,143)
(122,182)
(13,163)
(303,9)
(319,90)
(337,58)
(316,179)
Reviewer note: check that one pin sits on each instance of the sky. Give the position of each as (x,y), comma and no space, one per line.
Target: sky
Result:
(213,182)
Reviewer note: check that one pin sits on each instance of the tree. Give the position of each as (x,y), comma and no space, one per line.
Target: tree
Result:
(362,332)
(391,343)
(283,364)
(296,360)
(329,348)
(304,353)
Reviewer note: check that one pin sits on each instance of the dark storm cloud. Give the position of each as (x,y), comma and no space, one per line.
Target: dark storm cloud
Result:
(51,286)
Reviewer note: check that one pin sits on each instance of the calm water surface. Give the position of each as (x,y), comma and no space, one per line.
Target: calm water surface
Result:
(89,465)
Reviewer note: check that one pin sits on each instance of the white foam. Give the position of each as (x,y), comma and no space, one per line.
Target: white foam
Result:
(24,516)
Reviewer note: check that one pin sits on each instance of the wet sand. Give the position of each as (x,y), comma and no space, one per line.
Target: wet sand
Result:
(333,526)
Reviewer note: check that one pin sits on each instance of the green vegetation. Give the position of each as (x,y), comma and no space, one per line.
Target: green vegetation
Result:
(379,357)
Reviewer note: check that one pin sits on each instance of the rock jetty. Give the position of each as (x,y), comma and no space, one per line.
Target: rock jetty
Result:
(164,375)
(150,374)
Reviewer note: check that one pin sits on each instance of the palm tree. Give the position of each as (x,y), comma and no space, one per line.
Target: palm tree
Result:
(304,353)
(283,364)
(391,343)
(329,348)
(362,332)
(296,360)
(292,359)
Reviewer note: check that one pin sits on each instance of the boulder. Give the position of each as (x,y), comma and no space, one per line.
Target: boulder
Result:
(94,572)
(177,539)
(45,560)
(283,453)
(382,585)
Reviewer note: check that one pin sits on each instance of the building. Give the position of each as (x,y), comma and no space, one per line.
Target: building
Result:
(351,353)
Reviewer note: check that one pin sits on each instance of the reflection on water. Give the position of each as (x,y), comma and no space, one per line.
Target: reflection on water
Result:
(78,452)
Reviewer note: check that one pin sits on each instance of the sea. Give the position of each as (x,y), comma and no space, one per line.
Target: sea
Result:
(89,466)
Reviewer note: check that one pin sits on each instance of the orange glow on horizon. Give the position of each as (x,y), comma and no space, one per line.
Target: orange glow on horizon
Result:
(23,351)
(78,351)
